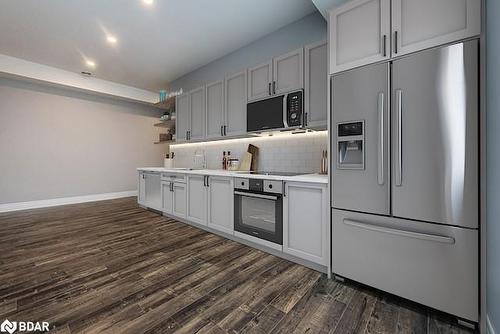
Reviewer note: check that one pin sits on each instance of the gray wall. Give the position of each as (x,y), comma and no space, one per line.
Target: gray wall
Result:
(59,143)
(493,156)
(311,28)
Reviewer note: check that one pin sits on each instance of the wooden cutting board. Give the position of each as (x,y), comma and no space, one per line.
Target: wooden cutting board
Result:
(254,151)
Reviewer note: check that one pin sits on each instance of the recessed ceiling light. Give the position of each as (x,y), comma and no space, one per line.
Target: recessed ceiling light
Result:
(111,39)
(90,63)
(148,2)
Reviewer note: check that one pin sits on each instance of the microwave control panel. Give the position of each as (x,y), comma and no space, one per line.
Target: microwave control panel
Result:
(294,104)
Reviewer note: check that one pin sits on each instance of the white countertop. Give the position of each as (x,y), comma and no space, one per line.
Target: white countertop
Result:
(310,178)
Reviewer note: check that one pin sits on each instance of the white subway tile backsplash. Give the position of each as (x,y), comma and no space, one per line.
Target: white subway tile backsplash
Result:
(291,152)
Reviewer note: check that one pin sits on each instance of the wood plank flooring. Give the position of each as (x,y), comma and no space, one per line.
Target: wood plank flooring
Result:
(113,267)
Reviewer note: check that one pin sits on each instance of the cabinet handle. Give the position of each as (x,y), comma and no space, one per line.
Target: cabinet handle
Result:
(208,182)
(225,133)
(274,87)
(221,130)
(384,45)
(396,42)
(306,115)
(284,188)
(270,89)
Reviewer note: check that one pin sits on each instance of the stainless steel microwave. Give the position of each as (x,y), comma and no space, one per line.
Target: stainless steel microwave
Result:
(282,112)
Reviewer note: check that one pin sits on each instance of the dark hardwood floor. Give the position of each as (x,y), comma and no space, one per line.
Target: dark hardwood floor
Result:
(113,267)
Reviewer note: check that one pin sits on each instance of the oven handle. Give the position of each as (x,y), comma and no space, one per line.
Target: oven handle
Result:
(274,198)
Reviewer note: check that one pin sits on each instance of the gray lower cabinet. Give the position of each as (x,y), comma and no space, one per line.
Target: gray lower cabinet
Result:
(221,204)
(167,197)
(149,190)
(197,199)
(235,104)
(316,85)
(305,222)
(179,200)
(214,93)
(141,189)
(182,120)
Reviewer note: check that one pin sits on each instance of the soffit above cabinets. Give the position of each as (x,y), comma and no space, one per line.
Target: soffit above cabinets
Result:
(155,44)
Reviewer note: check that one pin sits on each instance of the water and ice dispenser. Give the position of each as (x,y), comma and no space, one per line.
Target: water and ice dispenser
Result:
(351,145)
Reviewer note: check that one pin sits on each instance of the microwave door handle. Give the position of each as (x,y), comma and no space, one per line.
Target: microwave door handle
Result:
(285,122)
(274,198)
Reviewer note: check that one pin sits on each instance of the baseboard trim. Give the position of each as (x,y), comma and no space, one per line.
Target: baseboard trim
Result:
(489,326)
(64,200)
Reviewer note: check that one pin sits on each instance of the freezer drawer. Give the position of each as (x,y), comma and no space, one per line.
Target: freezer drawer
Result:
(431,264)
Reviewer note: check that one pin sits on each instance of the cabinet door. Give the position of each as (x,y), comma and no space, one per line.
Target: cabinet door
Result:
(153,191)
(304,222)
(141,189)
(316,85)
(235,105)
(182,121)
(179,200)
(422,24)
(288,72)
(197,113)
(166,197)
(259,81)
(359,34)
(221,204)
(197,199)
(215,109)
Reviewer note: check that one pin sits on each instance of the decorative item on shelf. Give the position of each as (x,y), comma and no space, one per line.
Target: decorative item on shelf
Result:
(169,160)
(165,117)
(172,115)
(324,162)
(165,136)
(163,95)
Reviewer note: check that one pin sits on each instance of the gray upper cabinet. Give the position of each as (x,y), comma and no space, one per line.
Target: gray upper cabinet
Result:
(197,113)
(422,24)
(367,31)
(359,34)
(260,80)
(182,121)
(316,84)
(288,72)
(215,109)
(235,104)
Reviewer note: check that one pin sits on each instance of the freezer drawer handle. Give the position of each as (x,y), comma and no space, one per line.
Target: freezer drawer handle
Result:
(381,139)
(402,233)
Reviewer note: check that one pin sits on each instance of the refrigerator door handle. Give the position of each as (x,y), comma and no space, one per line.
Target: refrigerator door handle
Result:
(381,139)
(402,233)
(399,169)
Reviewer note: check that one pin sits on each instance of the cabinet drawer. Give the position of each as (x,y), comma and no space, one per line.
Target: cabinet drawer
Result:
(173,177)
(431,264)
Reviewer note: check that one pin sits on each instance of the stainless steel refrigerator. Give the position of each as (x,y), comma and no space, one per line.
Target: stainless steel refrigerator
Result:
(405,177)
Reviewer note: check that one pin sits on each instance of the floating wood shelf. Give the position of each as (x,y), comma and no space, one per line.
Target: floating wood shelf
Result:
(166,124)
(167,104)
(164,141)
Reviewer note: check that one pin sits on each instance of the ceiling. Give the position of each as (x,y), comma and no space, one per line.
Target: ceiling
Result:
(156,44)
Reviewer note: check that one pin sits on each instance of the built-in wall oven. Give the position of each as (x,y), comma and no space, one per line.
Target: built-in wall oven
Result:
(258,208)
